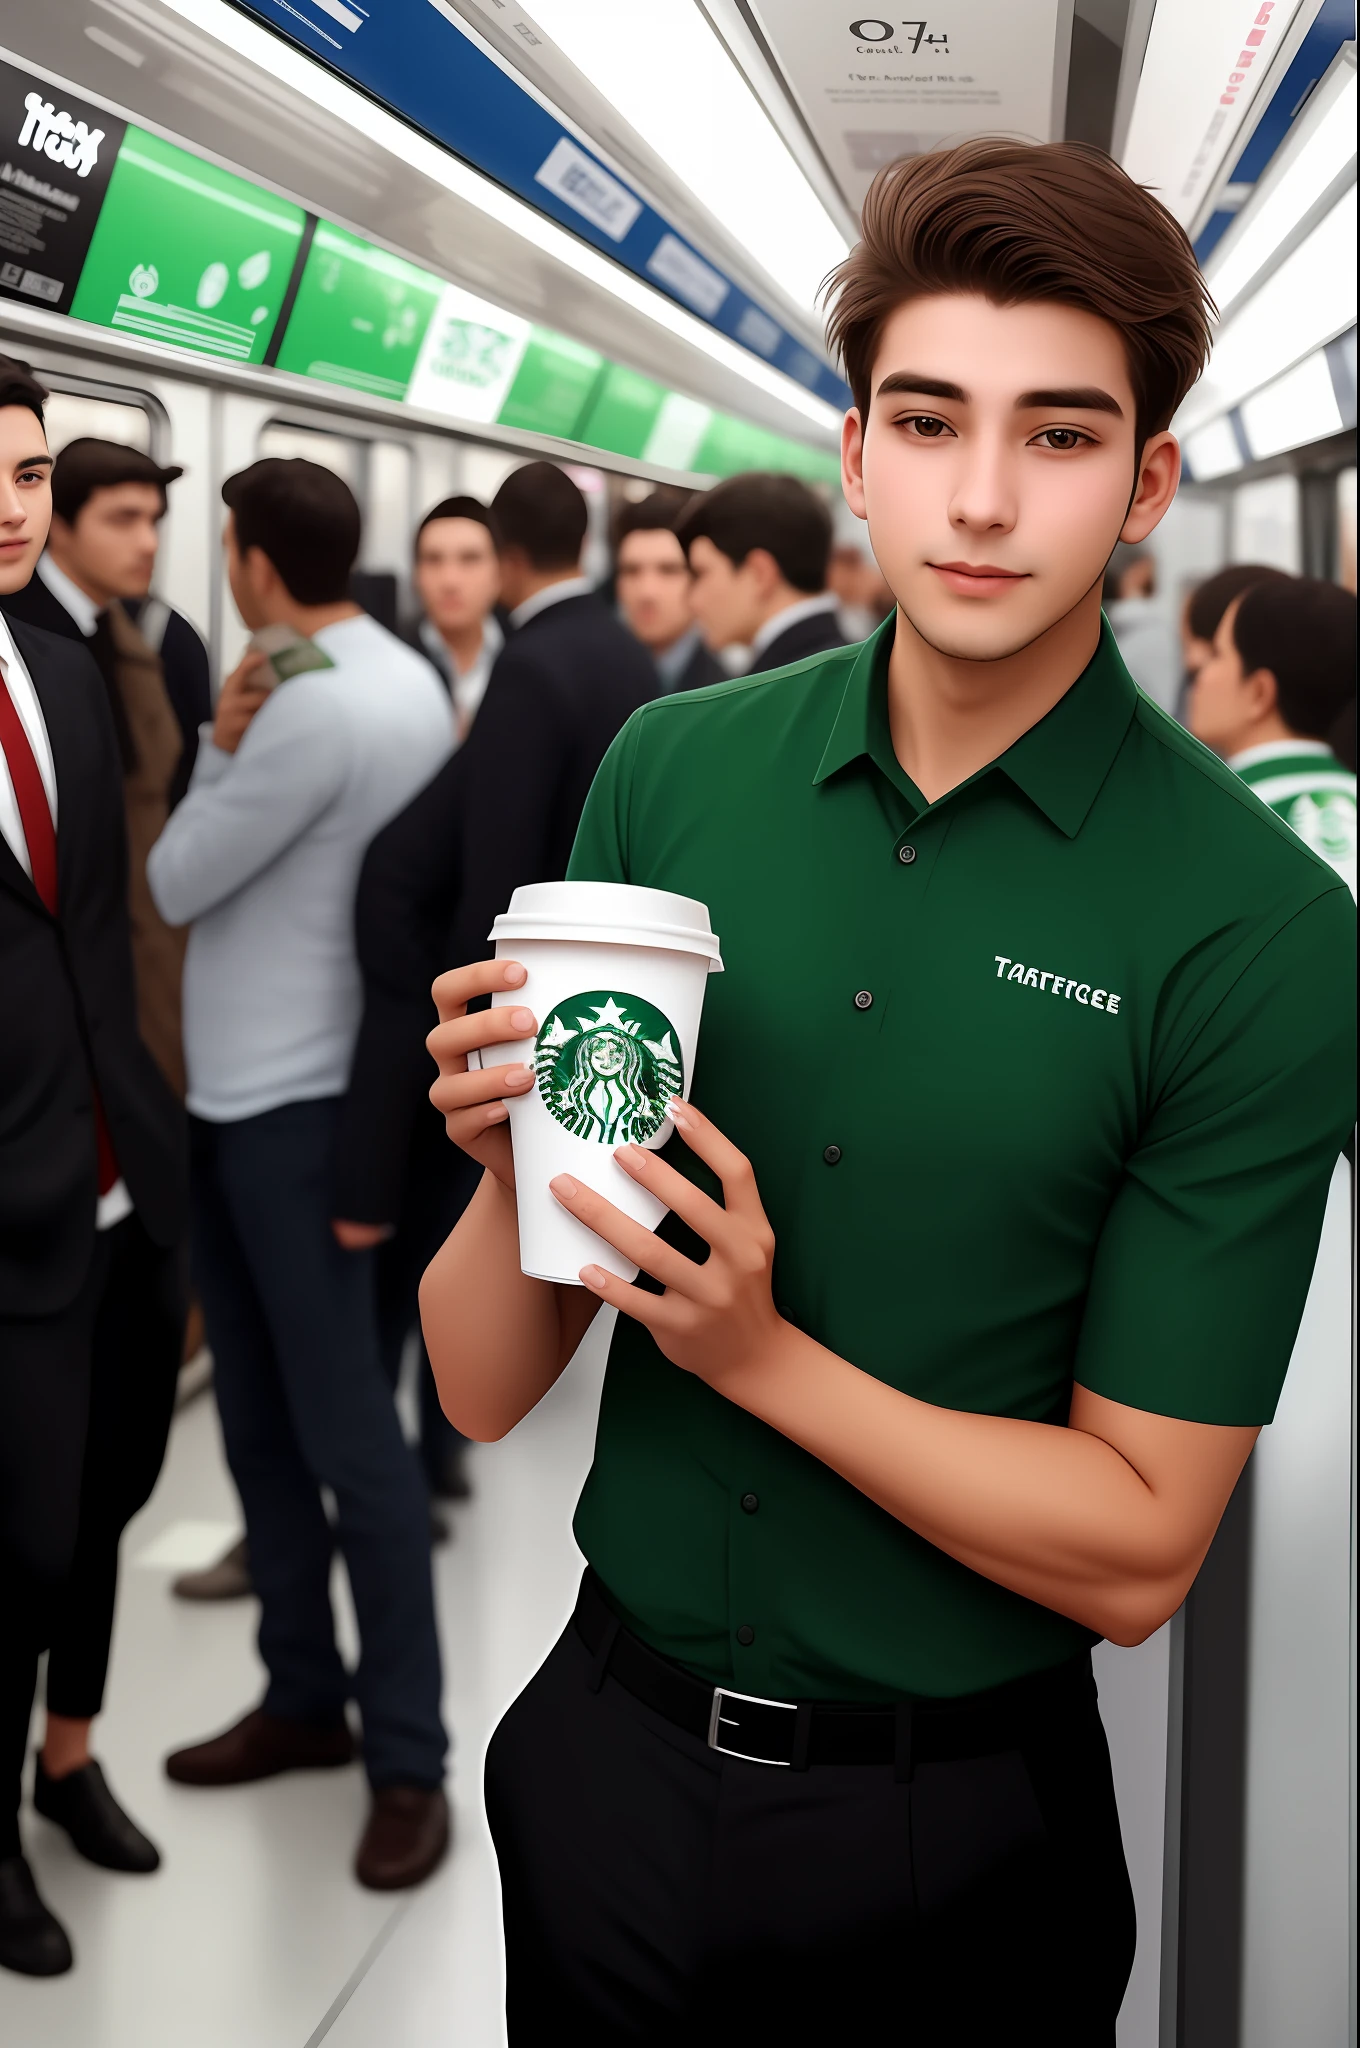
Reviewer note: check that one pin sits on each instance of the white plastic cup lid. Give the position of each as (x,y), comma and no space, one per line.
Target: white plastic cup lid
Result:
(612,914)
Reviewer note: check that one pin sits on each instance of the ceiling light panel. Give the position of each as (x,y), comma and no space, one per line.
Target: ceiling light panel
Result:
(1213,451)
(672,80)
(1297,408)
(1323,151)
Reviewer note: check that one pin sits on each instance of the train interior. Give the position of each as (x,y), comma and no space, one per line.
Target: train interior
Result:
(421,244)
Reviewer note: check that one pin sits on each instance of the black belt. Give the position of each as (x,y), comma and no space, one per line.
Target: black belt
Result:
(797,1733)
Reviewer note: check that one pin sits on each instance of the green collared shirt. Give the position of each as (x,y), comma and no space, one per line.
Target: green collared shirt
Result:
(1042,1082)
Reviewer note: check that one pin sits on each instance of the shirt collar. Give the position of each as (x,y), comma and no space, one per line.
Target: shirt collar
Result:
(792,615)
(1059,763)
(672,661)
(69,595)
(1278,750)
(554,593)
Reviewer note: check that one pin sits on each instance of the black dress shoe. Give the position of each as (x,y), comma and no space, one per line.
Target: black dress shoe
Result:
(82,1803)
(32,1940)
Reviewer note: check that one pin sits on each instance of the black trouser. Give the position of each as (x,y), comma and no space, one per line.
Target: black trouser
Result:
(86,1398)
(441,1183)
(656,1891)
(304,1405)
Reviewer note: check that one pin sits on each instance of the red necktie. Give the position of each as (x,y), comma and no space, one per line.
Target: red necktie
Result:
(35,817)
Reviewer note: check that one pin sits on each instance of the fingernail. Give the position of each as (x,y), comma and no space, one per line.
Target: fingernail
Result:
(677,1110)
(633,1156)
(496,1112)
(523,1020)
(515,1077)
(514,974)
(594,1276)
(564,1185)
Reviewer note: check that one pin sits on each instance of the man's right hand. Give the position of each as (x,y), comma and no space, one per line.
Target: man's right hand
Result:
(242,695)
(473,1100)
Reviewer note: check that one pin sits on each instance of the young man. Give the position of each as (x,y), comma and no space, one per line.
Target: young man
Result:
(992,1213)
(652,583)
(262,857)
(92,1210)
(1278,685)
(759,548)
(457,578)
(108,506)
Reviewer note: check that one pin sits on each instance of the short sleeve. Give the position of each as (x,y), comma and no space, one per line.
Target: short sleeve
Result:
(1204,1264)
(600,852)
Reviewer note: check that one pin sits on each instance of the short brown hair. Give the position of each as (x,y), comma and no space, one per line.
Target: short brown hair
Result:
(304,518)
(764,509)
(1210,599)
(88,465)
(1303,631)
(540,511)
(19,386)
(1019,222)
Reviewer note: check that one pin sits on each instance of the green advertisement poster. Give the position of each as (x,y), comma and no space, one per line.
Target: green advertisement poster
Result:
(552,385)
(360,315)
(188,255)
(623,412)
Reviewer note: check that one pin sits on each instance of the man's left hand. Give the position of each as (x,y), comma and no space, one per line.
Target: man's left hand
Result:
(714,1319)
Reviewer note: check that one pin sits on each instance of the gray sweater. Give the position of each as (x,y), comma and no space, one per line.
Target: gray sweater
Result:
(262,857)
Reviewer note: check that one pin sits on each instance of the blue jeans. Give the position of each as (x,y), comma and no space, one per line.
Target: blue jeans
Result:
(304,1404)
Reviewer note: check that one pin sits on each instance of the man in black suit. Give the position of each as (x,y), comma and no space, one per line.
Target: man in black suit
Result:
(108,502)
(759,547)
(652,583)
(92,1207)
(502,811)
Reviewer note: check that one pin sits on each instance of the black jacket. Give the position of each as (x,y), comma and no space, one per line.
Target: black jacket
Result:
(502,811)
(700,670)
(817,635)
(67,1007)
(184,660)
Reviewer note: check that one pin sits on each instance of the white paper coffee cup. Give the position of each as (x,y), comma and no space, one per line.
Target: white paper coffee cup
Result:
(615,977)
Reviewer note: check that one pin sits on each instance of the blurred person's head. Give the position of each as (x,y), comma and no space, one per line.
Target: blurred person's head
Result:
(1129,573)
(25,474)
(1207,602)
(457,571)
(541,517)
(291,539)
(1282,667)
(651,573)
(756,545)
(856,582)
(108,502)
(1018,324)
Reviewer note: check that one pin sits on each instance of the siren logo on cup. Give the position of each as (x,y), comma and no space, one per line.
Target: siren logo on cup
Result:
(607,1066)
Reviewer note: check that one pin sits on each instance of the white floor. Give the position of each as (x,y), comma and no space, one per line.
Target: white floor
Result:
(254,1934)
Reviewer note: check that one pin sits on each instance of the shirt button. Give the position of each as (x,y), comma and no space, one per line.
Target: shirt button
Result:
(906,854)
(832,1155)
(864,999)
(746,1635)
(750,1502)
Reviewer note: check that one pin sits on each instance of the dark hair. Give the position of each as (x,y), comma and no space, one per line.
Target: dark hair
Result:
(540,511)
(760,510)
(658,512)
(1303,631)
(1209,601)
(19,386)
(1020,222)
(460,508)
(86,466)
(303,518)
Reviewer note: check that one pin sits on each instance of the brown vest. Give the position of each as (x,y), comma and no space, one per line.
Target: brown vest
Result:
(154,745)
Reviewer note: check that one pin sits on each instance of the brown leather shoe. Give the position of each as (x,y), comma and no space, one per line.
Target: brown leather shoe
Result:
(260,1746)
(406,1838)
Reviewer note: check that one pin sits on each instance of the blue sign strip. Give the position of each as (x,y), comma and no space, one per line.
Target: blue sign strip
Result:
(1335,25)
(415,60)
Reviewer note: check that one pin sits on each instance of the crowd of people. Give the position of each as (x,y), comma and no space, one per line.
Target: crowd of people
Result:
(219,925)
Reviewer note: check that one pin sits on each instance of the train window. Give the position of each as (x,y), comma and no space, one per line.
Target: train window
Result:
(71,416)
(1266,526)
(332,451)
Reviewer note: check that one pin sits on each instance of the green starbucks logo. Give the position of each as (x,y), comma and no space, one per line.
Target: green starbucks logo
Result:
(607,1065)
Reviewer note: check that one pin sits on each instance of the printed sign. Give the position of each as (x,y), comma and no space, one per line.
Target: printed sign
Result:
(607,1066)
(56,157)
(188,255)
(360,315)
(552,385)
(469,357)
(878,85)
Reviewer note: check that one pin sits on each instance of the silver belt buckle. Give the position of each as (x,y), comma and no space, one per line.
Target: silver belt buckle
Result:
(718,1720)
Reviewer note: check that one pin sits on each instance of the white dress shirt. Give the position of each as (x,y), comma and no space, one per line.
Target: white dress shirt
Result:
(69,595)
(467,686)
(552,593)
(792,615)
(116,1202)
